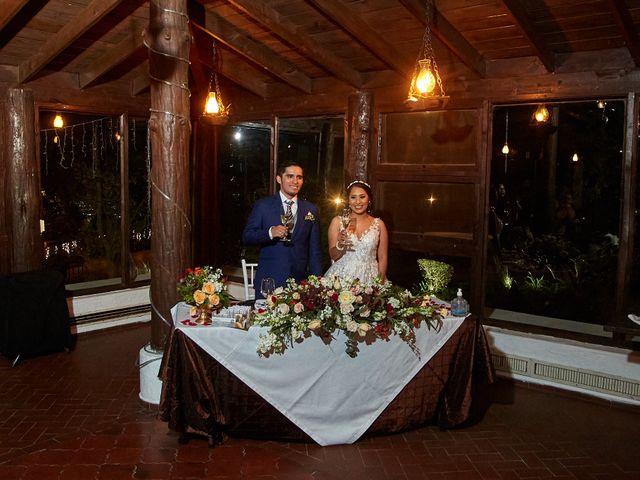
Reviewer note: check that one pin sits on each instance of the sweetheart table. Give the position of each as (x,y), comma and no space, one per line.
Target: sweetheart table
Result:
(214,383)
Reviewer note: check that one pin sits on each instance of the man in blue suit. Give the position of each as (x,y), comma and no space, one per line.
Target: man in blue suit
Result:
(281,259)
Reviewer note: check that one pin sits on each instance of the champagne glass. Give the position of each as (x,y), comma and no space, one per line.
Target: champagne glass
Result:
(267,286)
(345,218)
(287,221)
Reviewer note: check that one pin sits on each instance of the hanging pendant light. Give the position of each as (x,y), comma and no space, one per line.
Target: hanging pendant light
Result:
(426,82)
(505,148)
(57,121)
(541,115)
(215,112)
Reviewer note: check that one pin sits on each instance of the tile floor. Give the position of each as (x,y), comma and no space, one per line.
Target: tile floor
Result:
(77,416)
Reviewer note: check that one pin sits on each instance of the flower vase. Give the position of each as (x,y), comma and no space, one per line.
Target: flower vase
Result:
(204,316)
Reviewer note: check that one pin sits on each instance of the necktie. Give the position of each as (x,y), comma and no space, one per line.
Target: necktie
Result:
(289,212)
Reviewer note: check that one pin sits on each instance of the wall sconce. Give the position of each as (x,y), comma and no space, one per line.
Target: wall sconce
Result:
(426,81)
(57,121)
(541,115)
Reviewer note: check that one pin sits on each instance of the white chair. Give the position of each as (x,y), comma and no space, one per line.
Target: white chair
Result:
(248,274)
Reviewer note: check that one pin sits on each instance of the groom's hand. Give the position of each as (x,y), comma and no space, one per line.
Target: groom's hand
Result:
(279,231)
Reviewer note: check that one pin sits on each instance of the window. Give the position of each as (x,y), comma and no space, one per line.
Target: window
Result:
(555,211)
(81,165)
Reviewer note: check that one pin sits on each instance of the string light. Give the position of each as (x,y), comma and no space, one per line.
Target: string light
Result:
(57,121)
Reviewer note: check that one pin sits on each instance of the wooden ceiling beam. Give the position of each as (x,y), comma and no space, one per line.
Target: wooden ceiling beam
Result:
(232,37)
(232,69)
(346,18)
(118,54)
(449,36)
(10,9)
(66,36)
(625,24)
(286,30)
(527,27)
(142,82)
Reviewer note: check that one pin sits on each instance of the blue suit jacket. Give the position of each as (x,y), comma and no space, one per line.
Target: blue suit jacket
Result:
(280,260)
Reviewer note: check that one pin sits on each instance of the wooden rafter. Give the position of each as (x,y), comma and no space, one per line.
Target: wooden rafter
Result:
(344,16)
(118,54)
(519,14)
(10,9)
(66,36)
(288,31)
(238,41)
(449,36)
(237,71)
(624,21)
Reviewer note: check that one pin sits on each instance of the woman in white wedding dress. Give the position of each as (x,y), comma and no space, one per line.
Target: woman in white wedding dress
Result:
(358,250)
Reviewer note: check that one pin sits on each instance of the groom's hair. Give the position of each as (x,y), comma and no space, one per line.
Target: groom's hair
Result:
(284,166)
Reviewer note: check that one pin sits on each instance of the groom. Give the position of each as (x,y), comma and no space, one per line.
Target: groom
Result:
(280,259)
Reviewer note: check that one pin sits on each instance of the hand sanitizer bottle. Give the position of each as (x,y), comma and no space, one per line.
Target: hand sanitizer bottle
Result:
(459,306)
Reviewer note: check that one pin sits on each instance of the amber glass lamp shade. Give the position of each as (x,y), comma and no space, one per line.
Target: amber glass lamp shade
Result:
(541,114)
(212,106)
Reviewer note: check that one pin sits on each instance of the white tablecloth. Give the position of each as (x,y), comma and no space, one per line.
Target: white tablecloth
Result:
(330,396)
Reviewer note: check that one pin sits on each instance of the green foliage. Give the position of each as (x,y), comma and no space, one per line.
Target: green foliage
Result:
(436,277)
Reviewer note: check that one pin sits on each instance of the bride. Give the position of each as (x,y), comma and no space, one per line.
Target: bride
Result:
(358,250)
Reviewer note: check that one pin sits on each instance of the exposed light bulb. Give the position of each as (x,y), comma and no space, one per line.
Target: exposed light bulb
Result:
(505,149)
(575,157)
(211,106)
(425,80)
(58,122)
(541,114)
(117,136)
(601,104)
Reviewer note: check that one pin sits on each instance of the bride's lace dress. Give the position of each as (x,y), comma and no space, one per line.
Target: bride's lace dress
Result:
(361,260)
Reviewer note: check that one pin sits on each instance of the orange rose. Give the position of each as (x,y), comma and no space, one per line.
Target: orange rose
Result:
(209,288)
(214,299)
(199,297)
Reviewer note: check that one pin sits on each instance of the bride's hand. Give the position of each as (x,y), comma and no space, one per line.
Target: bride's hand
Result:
(343,240)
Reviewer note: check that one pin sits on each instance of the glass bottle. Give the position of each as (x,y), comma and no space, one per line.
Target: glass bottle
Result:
(459,306)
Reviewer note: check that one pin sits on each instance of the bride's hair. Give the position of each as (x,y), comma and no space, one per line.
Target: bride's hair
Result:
(366,187)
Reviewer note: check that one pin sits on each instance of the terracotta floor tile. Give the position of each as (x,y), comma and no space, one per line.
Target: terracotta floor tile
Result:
(78,416)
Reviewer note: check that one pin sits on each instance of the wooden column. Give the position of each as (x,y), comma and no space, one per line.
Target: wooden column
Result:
(359,130)
(23,182)
(168,39)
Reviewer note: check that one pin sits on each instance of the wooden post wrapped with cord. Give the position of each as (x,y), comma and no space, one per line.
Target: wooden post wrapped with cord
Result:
(168,40)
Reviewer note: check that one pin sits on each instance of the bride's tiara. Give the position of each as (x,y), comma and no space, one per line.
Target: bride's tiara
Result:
(358,182)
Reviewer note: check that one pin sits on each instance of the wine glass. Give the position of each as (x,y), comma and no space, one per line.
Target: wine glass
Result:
(267,286)
(287,221)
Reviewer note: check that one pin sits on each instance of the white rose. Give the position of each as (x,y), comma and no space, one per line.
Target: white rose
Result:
(298,307)
(346,308)
(346,297)
(283,308)
(352,326)
(295,296)
(363,328)
(314,324)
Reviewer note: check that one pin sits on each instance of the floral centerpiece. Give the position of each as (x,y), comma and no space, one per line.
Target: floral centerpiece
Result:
(324,305)
(205,289)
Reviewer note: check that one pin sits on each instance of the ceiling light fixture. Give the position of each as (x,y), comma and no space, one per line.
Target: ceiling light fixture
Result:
(541,115)
(215,111)
(426,81)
